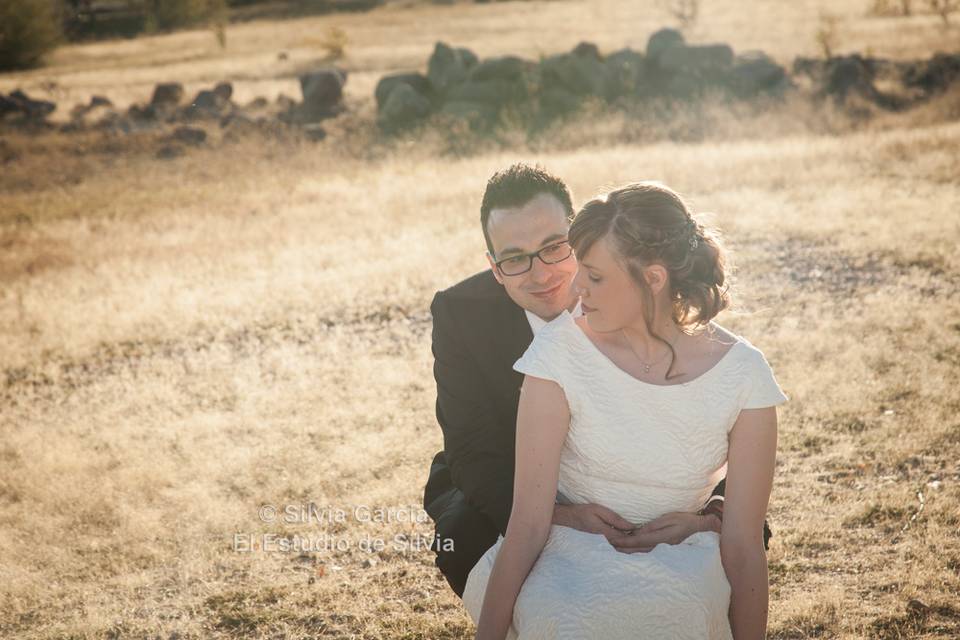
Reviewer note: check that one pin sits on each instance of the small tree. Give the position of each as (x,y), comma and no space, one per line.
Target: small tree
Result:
(28,30)
(826,35)
(684,12)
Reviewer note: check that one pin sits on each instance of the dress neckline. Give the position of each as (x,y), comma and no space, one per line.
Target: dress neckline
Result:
(630,376)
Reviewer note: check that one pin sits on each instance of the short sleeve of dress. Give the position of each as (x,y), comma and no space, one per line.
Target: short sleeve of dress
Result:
(763,388)
(543,358)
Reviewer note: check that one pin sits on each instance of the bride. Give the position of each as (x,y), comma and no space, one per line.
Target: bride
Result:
(642,405)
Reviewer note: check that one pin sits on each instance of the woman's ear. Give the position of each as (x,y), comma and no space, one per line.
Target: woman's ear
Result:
(656,277)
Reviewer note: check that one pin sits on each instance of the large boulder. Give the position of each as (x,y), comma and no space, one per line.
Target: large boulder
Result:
(579,75)
(754,72)
(557,101)
(403,107)
(211,103)
(494,93)
(697,60)
(322,94)
(387,84)
(470,59)
(587,50)
(849,75)
(624,73)
(934,75)
(447,67)
(19,103)
(167,94)
(476,115)
(661,41)
(501,68)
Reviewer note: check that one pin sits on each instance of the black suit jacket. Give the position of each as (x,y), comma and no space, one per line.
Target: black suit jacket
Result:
(478,334)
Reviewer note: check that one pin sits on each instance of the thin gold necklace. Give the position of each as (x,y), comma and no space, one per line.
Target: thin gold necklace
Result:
(647,366)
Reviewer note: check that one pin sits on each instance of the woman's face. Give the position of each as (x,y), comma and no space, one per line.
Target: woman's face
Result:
(609,297)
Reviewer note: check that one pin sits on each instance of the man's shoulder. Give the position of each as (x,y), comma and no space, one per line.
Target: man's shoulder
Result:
(481,287)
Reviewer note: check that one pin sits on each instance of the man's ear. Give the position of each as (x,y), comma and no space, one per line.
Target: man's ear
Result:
(656,276)
(493,267)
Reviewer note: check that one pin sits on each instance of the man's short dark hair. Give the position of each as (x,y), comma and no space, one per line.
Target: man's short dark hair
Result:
(517,185)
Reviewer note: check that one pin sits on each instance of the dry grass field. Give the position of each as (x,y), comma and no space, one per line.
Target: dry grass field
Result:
(185,341)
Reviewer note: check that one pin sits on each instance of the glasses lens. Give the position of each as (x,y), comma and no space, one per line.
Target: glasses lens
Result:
(515,266)
(555,252)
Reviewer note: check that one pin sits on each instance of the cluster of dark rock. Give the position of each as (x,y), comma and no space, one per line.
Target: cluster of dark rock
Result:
(19,106)
(187,122)
(905,82)
(459,84)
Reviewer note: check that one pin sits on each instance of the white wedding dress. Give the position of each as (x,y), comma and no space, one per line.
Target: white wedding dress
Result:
(642,450)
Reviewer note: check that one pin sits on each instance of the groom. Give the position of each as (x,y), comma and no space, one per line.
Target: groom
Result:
(481,326)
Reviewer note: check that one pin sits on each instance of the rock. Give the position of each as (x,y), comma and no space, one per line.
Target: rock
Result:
(446,67)
(847,75)
(322,94)
(661,41)
(417,81)
(314,132)
(168,93)
(258,103)
(8,106)
(403,107)
(697,60)
(169,152)
(469,58)
(579,75)
(755,72)
(502,68)
(189,135)
(937,74)
(624,73)
(208,100)
(99,106)
(556,101)
(223,90)
(477,115)
(26,107)
(494,93)
(587,50)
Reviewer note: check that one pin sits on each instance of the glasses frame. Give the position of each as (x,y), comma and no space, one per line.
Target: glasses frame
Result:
(531,256)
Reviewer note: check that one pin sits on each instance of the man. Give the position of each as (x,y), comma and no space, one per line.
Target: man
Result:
(481,326)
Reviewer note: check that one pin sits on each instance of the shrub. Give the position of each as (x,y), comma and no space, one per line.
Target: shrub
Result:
(28,30)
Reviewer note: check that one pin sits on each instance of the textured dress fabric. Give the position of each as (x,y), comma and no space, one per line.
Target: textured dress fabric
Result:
(642,450)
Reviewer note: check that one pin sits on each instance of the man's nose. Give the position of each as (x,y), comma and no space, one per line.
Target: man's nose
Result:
(539,272)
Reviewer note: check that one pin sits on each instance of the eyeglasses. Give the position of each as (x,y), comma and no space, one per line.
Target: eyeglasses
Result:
(550,254)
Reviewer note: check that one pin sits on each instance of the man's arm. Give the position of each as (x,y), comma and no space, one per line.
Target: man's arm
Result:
(479,450)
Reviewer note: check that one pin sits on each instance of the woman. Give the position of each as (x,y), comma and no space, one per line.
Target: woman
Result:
(642,405)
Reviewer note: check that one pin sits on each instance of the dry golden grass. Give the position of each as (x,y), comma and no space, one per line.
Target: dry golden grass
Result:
(184,341)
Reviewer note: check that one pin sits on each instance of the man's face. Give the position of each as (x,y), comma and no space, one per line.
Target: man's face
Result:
(545,289)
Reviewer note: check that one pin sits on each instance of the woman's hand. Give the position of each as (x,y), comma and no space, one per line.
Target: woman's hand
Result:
(591,518)
(671,528)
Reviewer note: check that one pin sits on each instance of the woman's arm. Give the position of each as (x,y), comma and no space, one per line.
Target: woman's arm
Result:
(750,462)
(542,422)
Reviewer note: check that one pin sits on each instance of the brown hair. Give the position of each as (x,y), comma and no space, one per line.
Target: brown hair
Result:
(517,185)
(650,223)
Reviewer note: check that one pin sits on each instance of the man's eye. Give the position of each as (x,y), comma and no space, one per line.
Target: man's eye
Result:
(552,250)
(514,262)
